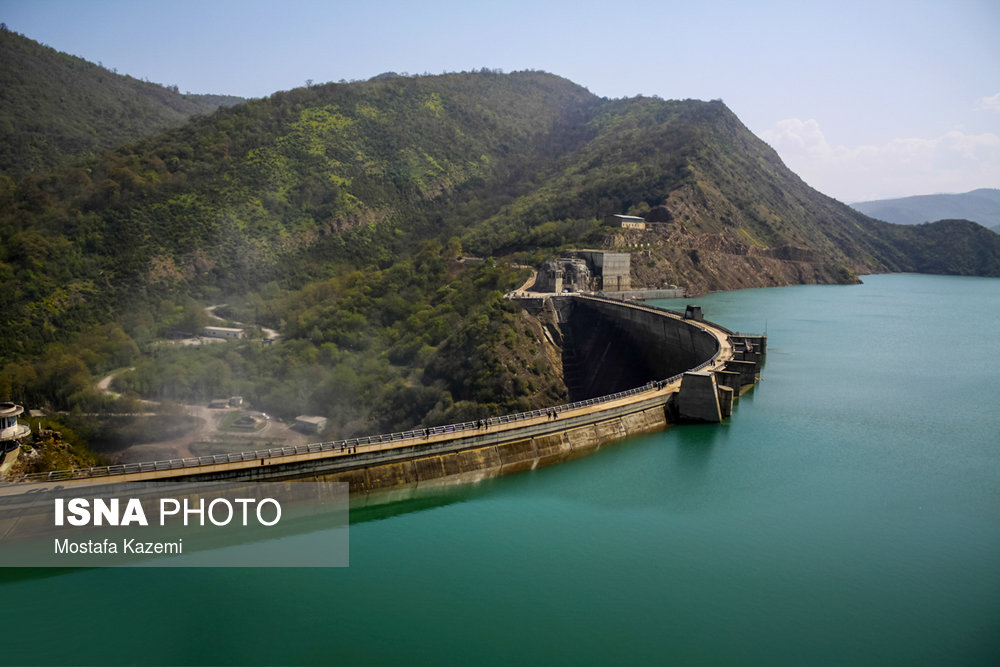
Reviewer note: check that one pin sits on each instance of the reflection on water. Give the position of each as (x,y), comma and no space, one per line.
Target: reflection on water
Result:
(397,502)
(694,444)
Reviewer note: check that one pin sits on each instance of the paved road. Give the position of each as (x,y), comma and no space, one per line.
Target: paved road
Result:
(331,450)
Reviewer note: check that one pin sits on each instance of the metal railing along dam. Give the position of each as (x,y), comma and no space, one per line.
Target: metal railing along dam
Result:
(718,346)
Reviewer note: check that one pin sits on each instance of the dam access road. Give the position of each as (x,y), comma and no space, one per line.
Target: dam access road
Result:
(637,368)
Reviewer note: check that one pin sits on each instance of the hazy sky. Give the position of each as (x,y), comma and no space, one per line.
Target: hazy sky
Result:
(863,99)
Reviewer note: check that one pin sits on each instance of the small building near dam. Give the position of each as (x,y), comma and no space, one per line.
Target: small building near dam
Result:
(224,333)
(585,271)
(625,221)
(10,429)
(309,423)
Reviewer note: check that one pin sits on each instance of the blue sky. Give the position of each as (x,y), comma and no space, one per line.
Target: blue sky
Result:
(863,99)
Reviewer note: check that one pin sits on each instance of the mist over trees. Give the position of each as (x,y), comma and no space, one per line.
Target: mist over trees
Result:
(338,215)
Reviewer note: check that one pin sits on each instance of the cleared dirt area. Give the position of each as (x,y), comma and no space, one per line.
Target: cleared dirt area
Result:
(211,434)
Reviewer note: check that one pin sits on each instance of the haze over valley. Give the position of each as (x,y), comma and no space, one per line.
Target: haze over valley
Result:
(342,217)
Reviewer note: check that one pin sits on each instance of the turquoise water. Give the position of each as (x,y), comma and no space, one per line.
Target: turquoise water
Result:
(848,513)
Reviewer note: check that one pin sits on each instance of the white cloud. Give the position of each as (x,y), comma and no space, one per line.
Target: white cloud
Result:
(992,103)
(953,162)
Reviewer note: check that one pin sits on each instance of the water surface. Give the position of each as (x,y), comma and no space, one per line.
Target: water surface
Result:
(848,513)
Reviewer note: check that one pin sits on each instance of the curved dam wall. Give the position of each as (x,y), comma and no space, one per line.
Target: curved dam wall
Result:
(610,346)
(653,346)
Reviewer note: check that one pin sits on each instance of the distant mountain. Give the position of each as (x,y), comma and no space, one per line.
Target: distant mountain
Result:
(982,206)
(56,107)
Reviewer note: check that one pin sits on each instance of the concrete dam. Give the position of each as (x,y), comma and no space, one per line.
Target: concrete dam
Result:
(630,369)
(607,348)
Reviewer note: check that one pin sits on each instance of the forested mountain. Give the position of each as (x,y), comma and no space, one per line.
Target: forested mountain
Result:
(982,206)
(56,107)
(974,250)
(337,214)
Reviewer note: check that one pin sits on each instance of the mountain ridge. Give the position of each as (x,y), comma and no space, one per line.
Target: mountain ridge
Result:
(511,164)
(981,205)
(55,108)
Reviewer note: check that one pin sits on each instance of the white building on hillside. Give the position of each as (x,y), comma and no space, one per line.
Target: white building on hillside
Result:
(10,429)
(222,332)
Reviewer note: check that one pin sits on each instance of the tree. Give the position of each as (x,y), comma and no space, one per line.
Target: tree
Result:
(194,319)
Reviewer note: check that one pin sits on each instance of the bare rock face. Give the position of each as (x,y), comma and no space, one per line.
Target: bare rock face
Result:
(699,239)
(706,270)
(665,254)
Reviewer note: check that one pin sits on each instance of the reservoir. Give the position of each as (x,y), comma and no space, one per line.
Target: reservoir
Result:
(848,513)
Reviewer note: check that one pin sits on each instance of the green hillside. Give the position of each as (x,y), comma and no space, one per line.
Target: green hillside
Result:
(733,213)
(291,188)
(954,247)
(56,107)
(338,214)
(316,212)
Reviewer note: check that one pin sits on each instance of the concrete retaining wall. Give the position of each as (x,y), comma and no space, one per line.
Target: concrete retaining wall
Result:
(479,463)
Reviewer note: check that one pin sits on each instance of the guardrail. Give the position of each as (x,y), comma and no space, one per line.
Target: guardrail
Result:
(350,445)
(347,445)
(676,313)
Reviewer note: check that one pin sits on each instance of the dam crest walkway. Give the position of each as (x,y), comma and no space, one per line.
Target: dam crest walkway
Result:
(285,462)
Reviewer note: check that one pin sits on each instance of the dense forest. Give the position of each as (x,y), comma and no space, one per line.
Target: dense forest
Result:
(55,107)
(340,214)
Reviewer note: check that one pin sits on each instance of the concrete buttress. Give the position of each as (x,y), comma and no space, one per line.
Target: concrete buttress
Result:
(698,399)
